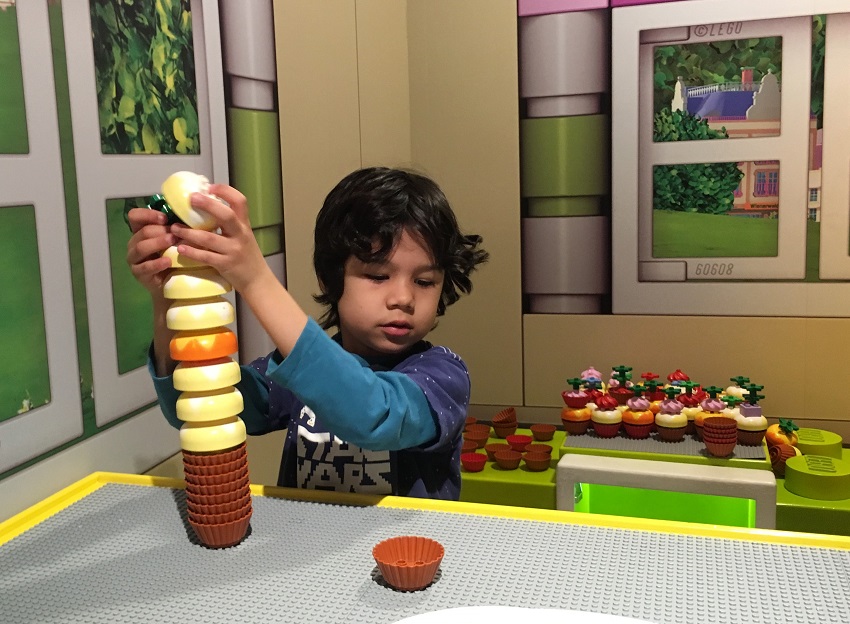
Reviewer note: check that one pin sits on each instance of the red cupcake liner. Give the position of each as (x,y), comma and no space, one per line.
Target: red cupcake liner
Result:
(575,402)
(519,442)
(638,432)
(473,462)
(621,394)
(606,430)
(409,562)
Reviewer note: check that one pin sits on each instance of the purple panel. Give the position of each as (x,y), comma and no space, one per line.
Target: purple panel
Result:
(544,7)
(620,3)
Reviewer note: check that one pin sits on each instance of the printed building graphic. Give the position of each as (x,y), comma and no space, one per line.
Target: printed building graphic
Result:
(748,109)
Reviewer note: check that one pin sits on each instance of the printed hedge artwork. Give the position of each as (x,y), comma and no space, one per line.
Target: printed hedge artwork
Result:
(23,367)
(145,75)
(13,119)
(131,303)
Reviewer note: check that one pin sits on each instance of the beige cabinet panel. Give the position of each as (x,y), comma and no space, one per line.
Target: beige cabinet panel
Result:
(464,133)
(316,53)
(429,84)
(796,360)
(384,87)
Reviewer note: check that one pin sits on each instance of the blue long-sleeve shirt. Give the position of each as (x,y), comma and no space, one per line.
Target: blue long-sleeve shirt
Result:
(389,425)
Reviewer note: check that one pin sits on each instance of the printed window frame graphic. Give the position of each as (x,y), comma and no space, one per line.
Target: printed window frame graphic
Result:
(102,177)
(790,263)
(766,286)
(36,178)
(835,170)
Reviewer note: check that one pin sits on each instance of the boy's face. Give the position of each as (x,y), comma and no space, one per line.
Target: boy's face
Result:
(387,307)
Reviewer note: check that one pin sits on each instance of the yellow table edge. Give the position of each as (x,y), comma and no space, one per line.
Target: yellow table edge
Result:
(29,518)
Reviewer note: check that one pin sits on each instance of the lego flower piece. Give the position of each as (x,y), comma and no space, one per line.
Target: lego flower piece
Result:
(783,432)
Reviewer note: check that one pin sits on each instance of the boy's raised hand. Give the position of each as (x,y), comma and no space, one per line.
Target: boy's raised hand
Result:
(151,236)
(234,252)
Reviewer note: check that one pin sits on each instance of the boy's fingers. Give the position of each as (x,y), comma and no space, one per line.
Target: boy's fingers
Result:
(145,244)
(237,201)
(137,218)
(212,206)
(151,267)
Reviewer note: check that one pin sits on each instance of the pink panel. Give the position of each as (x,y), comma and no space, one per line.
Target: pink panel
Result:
(543,7)
(619,3)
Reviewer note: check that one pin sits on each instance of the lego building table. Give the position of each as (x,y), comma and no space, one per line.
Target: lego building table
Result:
(116,548)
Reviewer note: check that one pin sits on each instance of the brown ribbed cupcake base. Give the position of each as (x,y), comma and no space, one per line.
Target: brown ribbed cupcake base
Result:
(218,496)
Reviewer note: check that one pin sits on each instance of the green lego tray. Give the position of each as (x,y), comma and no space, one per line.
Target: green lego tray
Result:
(690,450)
(521,487)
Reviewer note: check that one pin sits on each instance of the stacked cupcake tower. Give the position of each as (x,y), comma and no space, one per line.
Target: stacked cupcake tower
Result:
(670,411)
(213,437)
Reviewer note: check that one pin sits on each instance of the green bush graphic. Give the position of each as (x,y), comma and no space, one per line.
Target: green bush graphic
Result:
(145,73)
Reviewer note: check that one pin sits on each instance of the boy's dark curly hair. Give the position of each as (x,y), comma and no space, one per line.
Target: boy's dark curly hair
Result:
(375,205)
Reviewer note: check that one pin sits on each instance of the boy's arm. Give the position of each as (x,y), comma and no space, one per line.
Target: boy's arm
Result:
(424,404)
(255,390)
(234,253)
(163,365)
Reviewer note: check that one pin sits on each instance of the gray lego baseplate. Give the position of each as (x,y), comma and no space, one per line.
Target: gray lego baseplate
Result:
(123,554)
(689,446)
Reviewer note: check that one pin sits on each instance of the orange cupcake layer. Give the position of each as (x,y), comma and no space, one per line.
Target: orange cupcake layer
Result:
(203,344)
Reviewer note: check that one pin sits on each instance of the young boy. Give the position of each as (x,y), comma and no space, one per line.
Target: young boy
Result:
(375,409)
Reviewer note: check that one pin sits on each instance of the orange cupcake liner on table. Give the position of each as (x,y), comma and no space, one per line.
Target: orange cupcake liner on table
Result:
(507,415)
(223,535)
(508,460)
(543,432)
(210,490)
(408,562)
(537,462)
(218,457)
(215,469)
